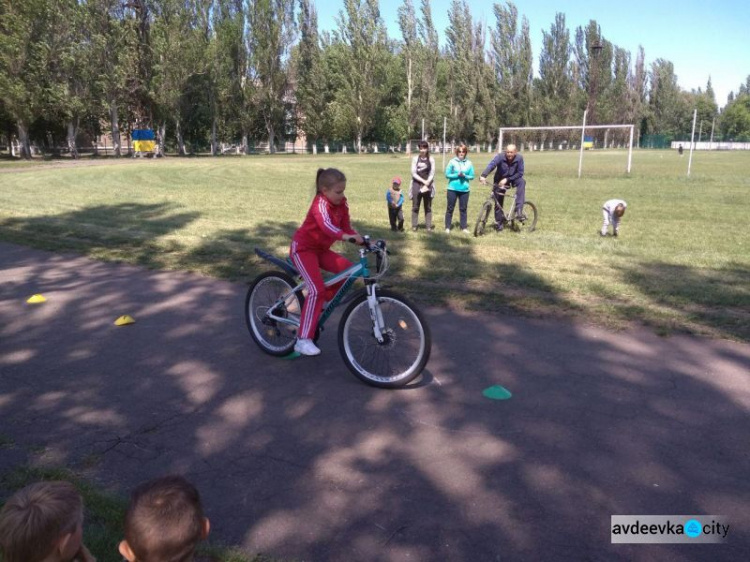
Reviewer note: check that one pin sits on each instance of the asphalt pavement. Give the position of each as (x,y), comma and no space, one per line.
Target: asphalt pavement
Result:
(299,460)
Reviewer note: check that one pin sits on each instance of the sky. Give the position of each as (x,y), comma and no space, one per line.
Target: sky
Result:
(701,39)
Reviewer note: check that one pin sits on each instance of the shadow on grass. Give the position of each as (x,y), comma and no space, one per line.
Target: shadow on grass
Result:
(677,298)
(127,228)
(717,299)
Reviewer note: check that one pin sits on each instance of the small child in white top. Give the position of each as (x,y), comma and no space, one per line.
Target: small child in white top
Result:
(612,210)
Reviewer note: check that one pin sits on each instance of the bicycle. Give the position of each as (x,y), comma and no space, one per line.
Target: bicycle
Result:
(383,338)
(525,223)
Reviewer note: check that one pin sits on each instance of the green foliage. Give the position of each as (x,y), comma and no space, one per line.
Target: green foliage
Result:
(209,70)
(363,58)
(735,119)
(670,108)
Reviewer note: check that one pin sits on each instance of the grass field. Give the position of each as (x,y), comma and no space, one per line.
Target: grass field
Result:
(681,263)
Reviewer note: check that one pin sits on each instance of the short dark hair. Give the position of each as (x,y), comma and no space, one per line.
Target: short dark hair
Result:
(164,520)
(36,517)
(423,144)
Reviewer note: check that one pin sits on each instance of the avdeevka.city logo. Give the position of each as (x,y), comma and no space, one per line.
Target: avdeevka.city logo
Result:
(669,529)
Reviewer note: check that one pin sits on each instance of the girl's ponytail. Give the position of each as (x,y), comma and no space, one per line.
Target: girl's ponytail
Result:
(327,178)
(317,179)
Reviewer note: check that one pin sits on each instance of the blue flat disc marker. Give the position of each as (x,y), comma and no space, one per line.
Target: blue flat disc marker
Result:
(292,355)
(497,392)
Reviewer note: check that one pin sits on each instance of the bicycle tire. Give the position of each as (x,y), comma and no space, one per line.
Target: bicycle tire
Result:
(272,337)
(532,215)
(407,341)
(484,214)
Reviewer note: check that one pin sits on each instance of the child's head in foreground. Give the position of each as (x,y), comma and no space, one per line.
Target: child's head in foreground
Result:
(42,522)
(619,210)
(164,521)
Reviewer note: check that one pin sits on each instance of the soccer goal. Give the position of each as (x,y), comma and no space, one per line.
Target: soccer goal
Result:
(571,138)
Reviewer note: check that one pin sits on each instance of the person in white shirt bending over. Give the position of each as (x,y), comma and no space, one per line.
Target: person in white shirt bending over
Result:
(613,211)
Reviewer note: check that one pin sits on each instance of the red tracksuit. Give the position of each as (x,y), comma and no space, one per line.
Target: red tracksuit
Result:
(324,224)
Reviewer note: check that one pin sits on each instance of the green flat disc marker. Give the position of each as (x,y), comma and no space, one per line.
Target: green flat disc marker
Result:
(292,355)
(497,392)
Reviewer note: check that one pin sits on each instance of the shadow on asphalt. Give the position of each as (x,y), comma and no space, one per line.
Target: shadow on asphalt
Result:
(297,459)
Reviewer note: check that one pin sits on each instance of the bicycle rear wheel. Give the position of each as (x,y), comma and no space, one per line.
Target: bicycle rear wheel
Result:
(484,215)
(406,345)
(273,337)
(529,223)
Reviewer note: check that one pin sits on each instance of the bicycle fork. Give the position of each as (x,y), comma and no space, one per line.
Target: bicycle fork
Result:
(376,314)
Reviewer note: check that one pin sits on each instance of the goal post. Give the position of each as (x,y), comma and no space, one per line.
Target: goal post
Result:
(571,129)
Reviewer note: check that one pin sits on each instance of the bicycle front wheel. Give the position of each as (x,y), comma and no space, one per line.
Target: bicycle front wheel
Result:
(528,224)
(484,215)
(273,337)
(406,345)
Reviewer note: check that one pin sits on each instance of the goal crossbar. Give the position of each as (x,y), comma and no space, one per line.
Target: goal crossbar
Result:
(582,128)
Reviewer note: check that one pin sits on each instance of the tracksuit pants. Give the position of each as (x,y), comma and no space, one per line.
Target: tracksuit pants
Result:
(309,263)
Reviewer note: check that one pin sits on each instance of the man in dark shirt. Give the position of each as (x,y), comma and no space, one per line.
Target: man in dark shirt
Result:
(508,168)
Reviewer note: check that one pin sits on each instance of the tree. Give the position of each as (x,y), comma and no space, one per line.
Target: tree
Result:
(734,122)
(233,89)
(271,30)
(114,42)
(593,55)
(139,77)
(177,45)
(429,57)
(407,20)
(513,63)
(26,29)
(461,80)
(555,85)
(311,90)
(362,63)
(638,91)
(669,108)
(75,72)
(483,127)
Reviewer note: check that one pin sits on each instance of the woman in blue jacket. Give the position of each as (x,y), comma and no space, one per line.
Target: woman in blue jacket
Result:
(459,172)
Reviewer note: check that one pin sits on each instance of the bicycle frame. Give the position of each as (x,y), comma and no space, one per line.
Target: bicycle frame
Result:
(507,215)
(349,275)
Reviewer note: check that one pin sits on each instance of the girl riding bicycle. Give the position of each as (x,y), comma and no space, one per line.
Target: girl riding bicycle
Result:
(326,222)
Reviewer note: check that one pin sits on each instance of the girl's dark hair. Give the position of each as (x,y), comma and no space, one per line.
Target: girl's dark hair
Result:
(424,144)
(327,178)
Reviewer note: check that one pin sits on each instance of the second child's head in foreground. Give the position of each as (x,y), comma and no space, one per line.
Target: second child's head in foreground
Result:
(43,522)
(331,183)
(164,521)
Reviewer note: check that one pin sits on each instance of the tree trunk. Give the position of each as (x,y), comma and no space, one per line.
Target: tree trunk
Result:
(72,131)
(23,140)
(214,143)
(271,139)
(115,126)
(408,107)
(245,146)
(180,140)
(162,134)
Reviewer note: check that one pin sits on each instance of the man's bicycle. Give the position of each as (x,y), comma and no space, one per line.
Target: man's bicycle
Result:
(526,222)
(382,337)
